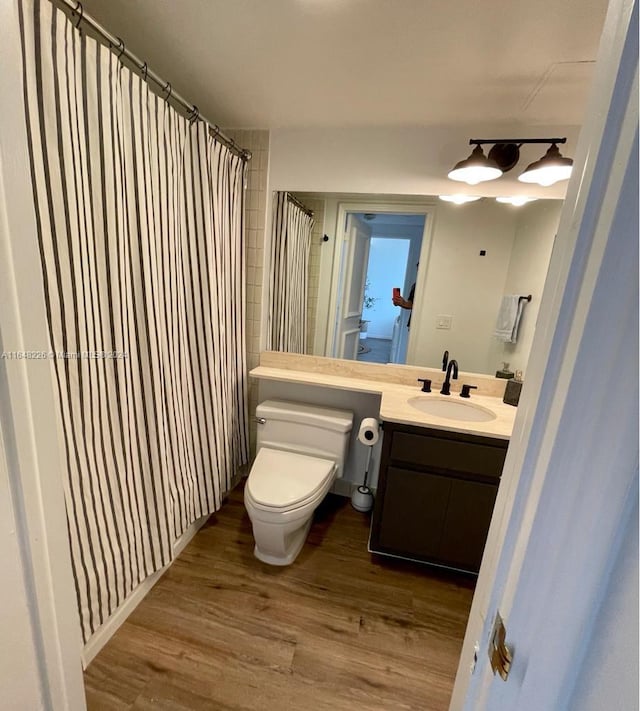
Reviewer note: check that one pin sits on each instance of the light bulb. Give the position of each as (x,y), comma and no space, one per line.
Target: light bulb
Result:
(459,199)
(517,200)
(551,168)
(477,168)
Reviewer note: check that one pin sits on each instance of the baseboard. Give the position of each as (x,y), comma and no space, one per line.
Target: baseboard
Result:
(104,633)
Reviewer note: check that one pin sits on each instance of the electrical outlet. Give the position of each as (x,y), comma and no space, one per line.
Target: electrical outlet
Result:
(444,322)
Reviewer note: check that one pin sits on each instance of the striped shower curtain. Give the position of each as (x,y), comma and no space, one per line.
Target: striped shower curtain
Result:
(290,247)
(139,216)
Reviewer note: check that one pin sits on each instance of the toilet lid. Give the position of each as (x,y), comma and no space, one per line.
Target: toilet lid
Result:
(283,479)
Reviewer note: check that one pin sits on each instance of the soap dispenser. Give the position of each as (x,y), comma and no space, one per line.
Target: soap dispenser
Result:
(513,389)
(505,372)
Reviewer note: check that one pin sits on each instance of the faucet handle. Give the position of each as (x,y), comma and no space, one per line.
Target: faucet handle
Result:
(466,390)
(426,384)
(445,360)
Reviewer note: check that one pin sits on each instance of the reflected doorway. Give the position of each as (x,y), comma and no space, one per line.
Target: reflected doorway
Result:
(382,254)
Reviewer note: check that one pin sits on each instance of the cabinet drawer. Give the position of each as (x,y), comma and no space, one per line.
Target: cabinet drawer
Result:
(447,455)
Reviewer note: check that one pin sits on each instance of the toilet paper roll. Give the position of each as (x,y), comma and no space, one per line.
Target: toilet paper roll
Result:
(369,431)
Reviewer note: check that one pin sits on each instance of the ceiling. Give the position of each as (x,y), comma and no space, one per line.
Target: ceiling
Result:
(368,63)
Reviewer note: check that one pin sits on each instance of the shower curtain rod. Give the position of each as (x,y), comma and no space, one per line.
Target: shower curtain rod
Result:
(297,203)
(76,14)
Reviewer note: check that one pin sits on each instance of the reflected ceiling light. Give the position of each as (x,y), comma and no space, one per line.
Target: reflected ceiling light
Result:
(504,155)
(477,168)
(550,169)
(459,199)
(517,200)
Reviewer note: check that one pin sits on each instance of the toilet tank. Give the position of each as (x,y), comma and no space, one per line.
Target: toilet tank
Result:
(307,429)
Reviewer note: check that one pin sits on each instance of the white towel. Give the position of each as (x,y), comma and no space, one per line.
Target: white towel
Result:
(508,320)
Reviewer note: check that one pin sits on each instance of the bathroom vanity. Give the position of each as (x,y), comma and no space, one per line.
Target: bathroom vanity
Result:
(436,493)
(437,472)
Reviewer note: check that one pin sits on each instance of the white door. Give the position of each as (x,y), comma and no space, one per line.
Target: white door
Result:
(358,241)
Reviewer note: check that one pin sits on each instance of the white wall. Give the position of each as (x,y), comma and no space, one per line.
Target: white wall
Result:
(460,283)
(536,227)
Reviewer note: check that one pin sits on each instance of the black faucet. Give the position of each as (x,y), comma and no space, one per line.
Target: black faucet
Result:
(446,386)
(445,360)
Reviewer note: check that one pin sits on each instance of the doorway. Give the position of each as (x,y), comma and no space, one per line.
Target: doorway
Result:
(381,252)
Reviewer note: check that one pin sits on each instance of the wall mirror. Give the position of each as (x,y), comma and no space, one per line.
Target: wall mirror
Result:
(456,261)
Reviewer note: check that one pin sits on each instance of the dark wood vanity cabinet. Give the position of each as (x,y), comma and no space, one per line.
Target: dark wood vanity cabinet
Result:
(435,496)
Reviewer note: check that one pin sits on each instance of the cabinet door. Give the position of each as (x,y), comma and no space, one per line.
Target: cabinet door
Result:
(467,523)
(413,514)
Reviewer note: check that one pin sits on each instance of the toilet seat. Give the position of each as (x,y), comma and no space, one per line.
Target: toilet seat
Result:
(281,481)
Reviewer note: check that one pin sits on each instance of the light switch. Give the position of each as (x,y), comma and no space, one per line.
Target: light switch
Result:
(444,322)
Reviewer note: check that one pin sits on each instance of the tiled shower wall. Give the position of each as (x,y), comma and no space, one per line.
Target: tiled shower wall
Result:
(256,215)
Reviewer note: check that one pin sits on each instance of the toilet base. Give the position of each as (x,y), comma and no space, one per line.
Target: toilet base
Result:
(293,547)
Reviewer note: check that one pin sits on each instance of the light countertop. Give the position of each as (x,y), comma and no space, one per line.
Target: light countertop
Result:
(394,405)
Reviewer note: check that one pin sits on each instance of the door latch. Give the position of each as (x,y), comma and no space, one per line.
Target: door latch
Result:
(500,655)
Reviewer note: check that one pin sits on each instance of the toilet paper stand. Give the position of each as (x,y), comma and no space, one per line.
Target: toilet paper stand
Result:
(362,497)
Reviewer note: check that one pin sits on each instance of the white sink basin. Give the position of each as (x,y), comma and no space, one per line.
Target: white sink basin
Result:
(452,409)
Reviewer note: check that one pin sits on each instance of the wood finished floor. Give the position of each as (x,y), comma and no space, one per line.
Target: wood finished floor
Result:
(337,630)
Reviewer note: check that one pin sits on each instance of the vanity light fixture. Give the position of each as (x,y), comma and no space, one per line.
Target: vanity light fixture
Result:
(504,155)
(517,200)
(459,199)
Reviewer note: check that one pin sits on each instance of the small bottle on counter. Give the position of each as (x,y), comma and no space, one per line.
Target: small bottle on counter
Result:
(513,389)
(505,372)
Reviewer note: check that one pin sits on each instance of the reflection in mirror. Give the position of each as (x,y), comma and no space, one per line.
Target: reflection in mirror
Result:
(452,264)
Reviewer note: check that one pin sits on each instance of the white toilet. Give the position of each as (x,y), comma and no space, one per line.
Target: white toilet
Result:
(301,451)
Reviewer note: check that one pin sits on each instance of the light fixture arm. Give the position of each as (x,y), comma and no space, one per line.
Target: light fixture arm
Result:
(517,141)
